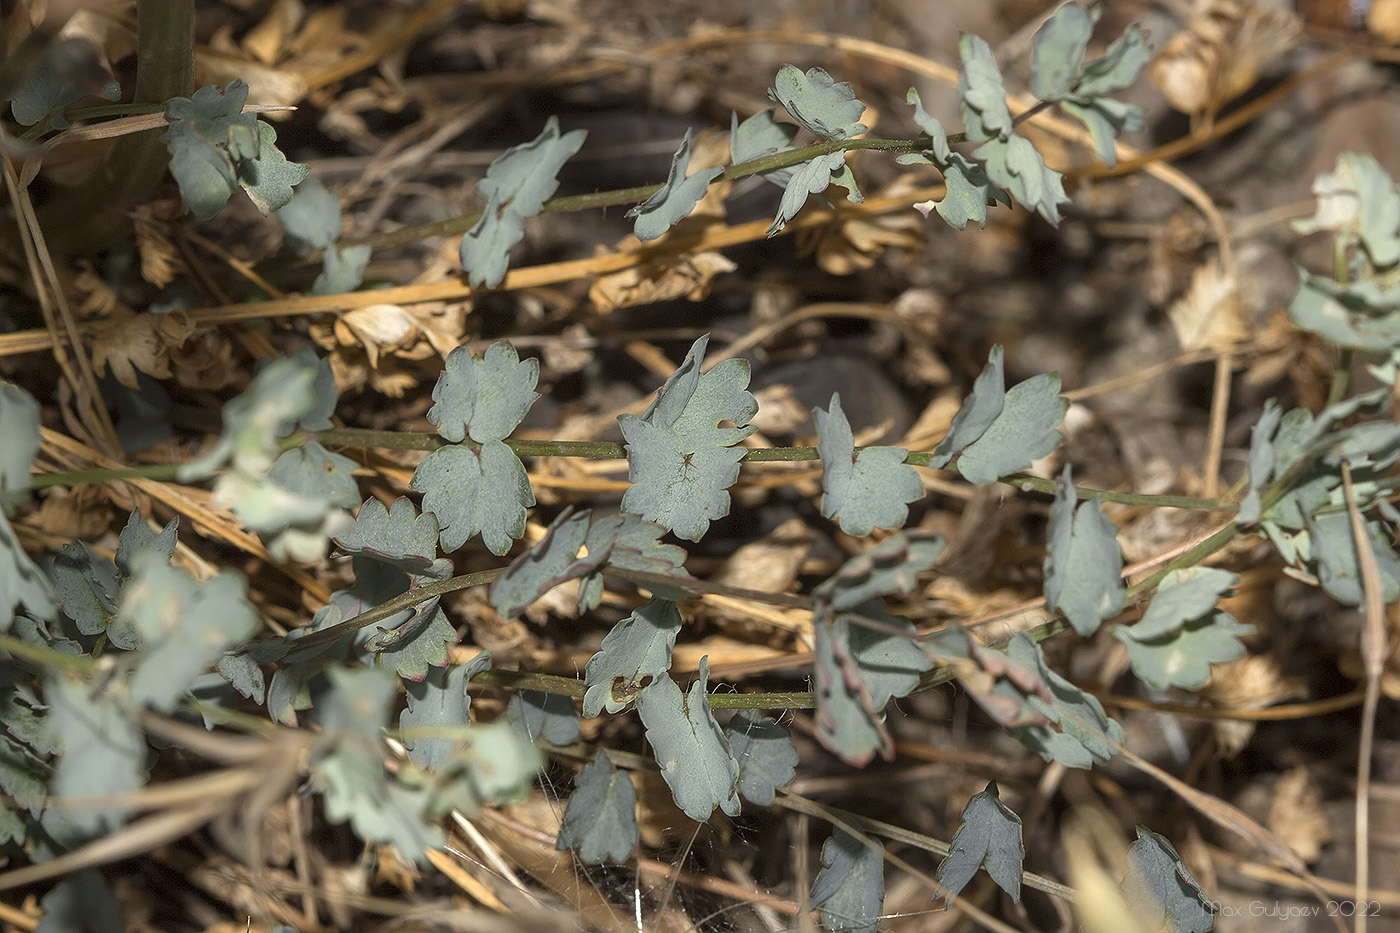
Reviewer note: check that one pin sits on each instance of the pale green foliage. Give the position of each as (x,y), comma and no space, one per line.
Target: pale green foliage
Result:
(485,490)
(997,432)
(515,187)
(681,462)
(1083,562)
(546,717)
(690,747)
(1182,633)
(396,535)
(438,706)
(67,72)
(311,218)
(824,106)
(862,491)
(813,177)
(215,147)
(850,888)
(990,838)
(764,753)
(969,192)
(1160,889)
(676,199)
(758,136)
(1358,203)
(1084,731)
(634,654)
(600,822)
(19,425)
(416,644)
(183,626)
(101,751)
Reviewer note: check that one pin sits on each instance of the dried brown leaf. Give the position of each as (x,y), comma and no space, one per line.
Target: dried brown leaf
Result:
(158,258)
(1252,682)
(1296,814)
(1220,53)
(1208,316)
(688,276)
(140,342)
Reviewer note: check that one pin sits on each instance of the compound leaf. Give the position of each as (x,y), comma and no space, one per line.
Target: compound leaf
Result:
(137,537)
(978,412)
(311,218)
(813,177)
(1085,731)
(208,136)
(676,199)
(1017,166)
(1160,889)
(600,822)
(764,753)
(515,187)
(412,647)
(989,837)
(890,567)
(1083,562)
(1182,658)
(473,492)
(889,663)
(680,460)
(86,585)
(983,95)
(634,654)
(848,721)
(183,625)
(758,136)
(694,756)
(1023,431)
(21,582)
(817,101)
(1057,51)
(483,397)
(101,752)
(850,888)
(1183,596)
(547,716)
(396,535)
(437,706)
(19,425)
(69,70)
(270,178)
(866,491)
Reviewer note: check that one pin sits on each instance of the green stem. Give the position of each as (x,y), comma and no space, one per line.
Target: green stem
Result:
(453,226)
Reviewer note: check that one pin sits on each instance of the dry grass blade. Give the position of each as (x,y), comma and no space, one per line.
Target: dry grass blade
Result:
(1373,652)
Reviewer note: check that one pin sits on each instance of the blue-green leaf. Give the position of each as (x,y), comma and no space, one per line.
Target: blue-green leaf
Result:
(1083,562)
(396,535)
(866,491)
(1085,732)
(890,567)
(1105,119)
(515,187)
(690,748)
(86,585)
(270,178)
(983,95)
(813,177)
(184,626)
(1057,51)
(1160,889)
(676,199)
(681,462)
(1359,201)
(438,706)
(1183,657)
(81,903)
(311,218)
(101,752)
(888,658)
(68,71)
(19,425)
(850,888)
(978,412)
(600,822)
(1183,596)
(410,648)
(137,537)
(758,136)
(342,270)
(544,716)
(817,101)
(1334,549)
(474,492)
(848,721)
(22,583)
(764,753)
(633,655)
(551,561)
(1016,165)
(989,837)
(1023,432)
(243,674)
(483,397)
(1119,67)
